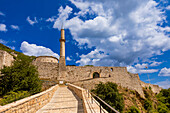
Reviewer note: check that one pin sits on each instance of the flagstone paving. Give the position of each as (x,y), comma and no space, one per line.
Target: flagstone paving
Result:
(63,101)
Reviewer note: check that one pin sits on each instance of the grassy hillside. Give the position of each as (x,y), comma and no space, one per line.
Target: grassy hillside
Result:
(12,52)
(7,49)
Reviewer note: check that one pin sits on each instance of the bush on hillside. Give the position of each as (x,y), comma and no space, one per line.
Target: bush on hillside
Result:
(13,96)
(148,105)
(164,101)
(133,109)
(21,76)
(109,93)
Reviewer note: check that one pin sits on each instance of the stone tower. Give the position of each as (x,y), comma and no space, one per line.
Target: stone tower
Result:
(62,62)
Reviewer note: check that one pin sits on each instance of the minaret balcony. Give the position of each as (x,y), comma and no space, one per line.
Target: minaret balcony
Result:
(61,40)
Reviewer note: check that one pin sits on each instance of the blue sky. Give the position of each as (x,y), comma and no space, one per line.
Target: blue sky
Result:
(131,33)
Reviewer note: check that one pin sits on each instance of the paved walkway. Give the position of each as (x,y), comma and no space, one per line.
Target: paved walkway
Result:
(63,101)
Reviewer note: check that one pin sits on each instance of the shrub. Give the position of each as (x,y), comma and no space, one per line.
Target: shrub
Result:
(164,100)
(148,105)
(162,108)
(13,96)
(21,76)
(109,93)
(133,109)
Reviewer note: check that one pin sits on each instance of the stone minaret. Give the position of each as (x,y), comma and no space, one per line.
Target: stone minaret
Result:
(62,62)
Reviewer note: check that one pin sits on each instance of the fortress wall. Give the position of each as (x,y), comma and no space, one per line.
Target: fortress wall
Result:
(155,88)
(47,70)
(76,73)
(5,59)
(83,76)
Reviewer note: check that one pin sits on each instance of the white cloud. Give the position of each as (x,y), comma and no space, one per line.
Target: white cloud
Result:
(3,27)
(2,14)
(164,72)
(68,59)
(32,22)
(139,69)
(91,58)
(168,7)
(15,27)
(154,63)
(125,31)
(132,69)
(63,15)
(141,66)
(3,41)
(164,84)
(52,19)
(34,50)
(148,70)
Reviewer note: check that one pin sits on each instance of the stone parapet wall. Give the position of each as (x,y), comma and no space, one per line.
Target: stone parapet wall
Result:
(50,59)
(30,104)
(80,93)
(88,105)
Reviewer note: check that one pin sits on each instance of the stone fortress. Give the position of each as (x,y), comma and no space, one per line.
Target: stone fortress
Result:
(85,76)
(88,76)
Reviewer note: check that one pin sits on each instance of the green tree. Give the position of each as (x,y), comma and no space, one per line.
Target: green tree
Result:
(21,76)
(109,93)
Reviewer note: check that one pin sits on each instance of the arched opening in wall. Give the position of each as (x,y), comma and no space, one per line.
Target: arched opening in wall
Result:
(96,75)
(109,75)
(111,69)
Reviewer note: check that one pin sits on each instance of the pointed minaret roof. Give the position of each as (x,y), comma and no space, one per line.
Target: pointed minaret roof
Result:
(62,26)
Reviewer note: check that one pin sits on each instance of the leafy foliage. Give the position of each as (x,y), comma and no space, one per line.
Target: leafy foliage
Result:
(13,96)
(164,101)
(133,109)
(109,93)
(21,76)
(148,105)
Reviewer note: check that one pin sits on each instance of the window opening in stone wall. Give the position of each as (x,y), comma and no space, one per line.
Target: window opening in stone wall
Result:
(96,75)
(109,75)
(111,69)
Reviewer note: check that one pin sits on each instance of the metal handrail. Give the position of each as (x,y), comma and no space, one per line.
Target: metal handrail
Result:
(92,97)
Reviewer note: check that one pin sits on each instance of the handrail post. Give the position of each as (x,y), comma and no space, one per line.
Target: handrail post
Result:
(91,99)
(100,108)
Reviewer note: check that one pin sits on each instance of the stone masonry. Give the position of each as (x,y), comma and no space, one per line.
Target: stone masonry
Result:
(47,67)
(5,59)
